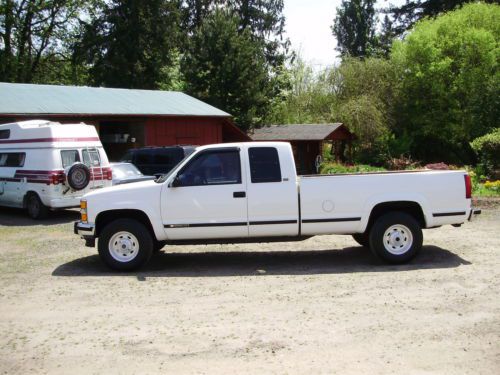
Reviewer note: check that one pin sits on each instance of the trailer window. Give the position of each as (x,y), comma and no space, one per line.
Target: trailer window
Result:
(69,157)
(91,157)
(12,159)
(264,164)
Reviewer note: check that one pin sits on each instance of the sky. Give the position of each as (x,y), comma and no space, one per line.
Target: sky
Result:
(308,25)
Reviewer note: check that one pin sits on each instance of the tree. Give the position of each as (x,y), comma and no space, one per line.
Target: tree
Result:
(405,16)
(354,28)
(131,43)
(227,68)
(34,39)
(450,83)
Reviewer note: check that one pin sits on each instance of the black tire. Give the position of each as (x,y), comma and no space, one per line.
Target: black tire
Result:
(158,245)
(36,209)
(78,176)
(136,254)
(404,243)
(362,238)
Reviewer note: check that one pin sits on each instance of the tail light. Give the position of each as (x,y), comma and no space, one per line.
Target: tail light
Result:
(468,187)
(57,178)
(107,173)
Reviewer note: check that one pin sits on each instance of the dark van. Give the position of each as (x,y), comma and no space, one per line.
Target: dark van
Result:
(157,160)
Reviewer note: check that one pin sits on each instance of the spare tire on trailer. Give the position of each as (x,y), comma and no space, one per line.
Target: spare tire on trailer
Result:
(78,176)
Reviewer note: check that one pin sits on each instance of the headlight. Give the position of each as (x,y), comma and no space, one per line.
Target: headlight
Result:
(83,210)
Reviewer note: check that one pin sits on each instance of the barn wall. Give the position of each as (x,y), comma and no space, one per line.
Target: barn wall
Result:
(183,131)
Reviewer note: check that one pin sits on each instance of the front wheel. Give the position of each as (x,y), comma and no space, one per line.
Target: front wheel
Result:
(362,239)
(125,245)
(396,237)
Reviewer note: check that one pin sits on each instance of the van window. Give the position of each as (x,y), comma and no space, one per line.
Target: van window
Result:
(4,134)
(264,164)
(91,157)
(69,157)
(12,159)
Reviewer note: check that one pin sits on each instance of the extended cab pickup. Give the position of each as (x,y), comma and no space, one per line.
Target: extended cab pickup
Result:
(249,192)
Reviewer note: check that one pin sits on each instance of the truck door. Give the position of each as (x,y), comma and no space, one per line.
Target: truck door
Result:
(272,192)
(207,198)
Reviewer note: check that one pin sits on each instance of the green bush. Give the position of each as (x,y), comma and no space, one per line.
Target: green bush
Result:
(335,168)
(487,149)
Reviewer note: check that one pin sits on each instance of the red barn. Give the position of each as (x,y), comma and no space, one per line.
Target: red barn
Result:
(124,118)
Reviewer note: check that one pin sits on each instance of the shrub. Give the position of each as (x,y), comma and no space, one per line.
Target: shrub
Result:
(336,168)
(487,149)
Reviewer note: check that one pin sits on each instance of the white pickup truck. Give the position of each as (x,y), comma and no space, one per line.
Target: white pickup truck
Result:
(249,192)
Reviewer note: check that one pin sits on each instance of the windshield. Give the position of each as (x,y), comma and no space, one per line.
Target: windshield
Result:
(125,170)
(165,176)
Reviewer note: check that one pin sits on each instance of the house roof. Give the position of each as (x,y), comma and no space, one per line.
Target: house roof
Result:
(18,98)
(296,132)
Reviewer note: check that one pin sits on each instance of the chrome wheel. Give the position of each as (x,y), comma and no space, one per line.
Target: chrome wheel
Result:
(123,246)
(398,239)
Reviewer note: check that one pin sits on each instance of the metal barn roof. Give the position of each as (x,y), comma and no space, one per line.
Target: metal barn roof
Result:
(295,132)
(18,98)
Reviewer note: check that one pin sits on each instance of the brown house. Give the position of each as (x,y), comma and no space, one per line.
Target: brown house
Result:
(124,118)
(307,141)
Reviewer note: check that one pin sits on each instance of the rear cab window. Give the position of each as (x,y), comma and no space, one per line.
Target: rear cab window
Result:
(264,165)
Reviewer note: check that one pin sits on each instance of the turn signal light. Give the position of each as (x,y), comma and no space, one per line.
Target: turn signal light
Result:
(84,217)
(83,205)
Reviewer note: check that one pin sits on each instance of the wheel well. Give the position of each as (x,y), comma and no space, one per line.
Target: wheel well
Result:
(106,217)
(25,198)
(409,207)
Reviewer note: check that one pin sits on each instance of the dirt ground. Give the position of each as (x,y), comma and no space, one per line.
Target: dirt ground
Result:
(321,306)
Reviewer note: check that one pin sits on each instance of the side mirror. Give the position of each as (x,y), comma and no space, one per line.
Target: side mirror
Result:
(176,182)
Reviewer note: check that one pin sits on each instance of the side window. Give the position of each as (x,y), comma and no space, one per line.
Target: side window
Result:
(213,168)
(12,159)
(4,134)
(144,157)
(162,157)
(128,157)
(264,164)
(69,157)
(91,157)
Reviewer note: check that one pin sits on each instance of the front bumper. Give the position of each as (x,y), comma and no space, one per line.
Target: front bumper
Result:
(86,231)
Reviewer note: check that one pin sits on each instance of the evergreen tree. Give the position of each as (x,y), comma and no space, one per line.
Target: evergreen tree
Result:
(405,16)
(131,43)
(354,28)
(227,68)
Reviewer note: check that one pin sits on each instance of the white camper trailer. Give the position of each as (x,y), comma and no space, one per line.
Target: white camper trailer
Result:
(46,165)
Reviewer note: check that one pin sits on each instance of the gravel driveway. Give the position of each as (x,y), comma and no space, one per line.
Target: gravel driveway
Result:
(324,305)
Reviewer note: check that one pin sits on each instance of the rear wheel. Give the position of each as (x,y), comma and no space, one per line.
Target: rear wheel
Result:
(396,237)
(36,209)
(125,245)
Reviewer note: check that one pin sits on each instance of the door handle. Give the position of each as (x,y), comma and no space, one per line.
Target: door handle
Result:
(239,194)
